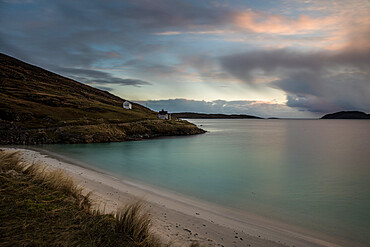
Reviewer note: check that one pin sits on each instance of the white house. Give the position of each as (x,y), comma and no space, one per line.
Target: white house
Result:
(127,105)
(164,115)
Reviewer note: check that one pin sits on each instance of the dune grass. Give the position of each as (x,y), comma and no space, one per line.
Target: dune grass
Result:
(39,207)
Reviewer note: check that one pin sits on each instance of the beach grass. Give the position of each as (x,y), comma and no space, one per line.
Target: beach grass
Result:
(41,207)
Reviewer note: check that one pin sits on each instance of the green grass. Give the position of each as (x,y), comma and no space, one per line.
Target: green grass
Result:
(46,208)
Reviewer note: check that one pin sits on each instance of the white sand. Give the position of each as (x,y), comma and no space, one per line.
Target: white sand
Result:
(180,219)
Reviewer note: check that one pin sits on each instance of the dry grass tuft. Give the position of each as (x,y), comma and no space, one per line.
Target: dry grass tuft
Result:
(135,221)
(10,161)
(53,179)
(40,206)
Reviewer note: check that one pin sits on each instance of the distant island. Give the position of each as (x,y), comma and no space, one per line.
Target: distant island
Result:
(347,115)
(212,116)
(38,106)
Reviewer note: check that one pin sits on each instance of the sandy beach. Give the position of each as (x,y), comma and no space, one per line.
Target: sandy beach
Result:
(178,219)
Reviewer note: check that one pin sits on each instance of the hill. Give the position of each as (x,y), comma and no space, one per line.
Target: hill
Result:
(347,115)
(211,116)
(38,106)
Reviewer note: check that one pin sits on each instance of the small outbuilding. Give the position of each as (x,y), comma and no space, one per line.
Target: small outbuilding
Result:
(164,115)
(127,105)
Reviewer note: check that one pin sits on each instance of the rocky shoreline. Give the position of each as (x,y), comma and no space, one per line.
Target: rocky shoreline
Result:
(11,135)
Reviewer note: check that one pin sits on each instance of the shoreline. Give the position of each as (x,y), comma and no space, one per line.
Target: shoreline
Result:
(176,217)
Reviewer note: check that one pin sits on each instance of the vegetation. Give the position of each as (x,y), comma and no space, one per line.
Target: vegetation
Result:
(42,208)
(38,106)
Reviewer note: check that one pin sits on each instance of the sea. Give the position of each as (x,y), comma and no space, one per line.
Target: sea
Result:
(314,174)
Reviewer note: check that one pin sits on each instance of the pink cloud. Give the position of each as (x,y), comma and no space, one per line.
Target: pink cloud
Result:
(278,24)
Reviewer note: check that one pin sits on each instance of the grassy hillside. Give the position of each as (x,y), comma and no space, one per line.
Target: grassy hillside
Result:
(38,106)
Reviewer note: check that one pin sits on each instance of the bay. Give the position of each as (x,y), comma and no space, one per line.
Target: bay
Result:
(309,173)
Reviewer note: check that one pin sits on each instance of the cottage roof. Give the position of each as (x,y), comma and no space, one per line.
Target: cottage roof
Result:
(163,112)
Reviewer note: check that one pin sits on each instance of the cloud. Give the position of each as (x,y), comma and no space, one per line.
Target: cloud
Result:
(98,77)
(260,22)
(319,81)
(171,43)
(118,34)
(89,32)
(249,107)
(108,89)
(244,65)
(327,93)
(206,66)
(207,32)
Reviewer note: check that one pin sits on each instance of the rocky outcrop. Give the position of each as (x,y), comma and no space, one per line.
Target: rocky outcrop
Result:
(347,115)
(98,133)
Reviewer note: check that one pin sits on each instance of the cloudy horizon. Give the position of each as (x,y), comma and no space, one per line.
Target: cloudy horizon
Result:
(267,58)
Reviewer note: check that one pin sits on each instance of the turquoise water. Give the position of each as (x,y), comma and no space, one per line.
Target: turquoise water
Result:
(311,173)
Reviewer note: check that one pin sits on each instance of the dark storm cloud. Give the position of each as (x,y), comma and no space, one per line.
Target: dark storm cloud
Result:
(108,33)
(243,65)
(71,30)
(317,81)
(167,13)
(98,77)
(327,93)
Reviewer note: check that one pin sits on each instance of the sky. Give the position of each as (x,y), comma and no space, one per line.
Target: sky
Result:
(270,58)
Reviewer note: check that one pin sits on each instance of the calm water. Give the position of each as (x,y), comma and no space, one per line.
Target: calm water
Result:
(312,173)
